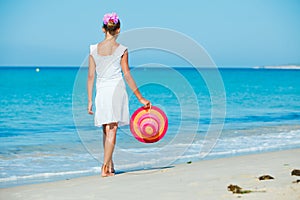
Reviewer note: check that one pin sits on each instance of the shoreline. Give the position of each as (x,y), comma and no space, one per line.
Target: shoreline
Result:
(206,179)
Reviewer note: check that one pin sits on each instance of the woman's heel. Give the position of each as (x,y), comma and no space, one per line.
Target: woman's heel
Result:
(104,171)
(111,169)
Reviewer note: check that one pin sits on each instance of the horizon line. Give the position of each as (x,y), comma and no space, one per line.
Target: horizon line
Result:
(292,66)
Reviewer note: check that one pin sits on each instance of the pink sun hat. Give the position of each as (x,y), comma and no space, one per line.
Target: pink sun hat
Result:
(149,125)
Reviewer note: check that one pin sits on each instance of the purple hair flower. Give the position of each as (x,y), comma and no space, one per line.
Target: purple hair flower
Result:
(110,17)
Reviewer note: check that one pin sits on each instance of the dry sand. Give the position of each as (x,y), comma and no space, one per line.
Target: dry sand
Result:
(200,180)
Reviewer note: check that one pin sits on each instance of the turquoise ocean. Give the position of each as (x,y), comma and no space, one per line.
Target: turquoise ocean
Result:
(47,135)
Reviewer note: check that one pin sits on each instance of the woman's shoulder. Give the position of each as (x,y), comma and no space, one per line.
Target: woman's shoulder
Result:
(122,48)
(93,48)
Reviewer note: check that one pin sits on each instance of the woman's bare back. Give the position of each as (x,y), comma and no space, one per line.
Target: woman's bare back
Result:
(107,48)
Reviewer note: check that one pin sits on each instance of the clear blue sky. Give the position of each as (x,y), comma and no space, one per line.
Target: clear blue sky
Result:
(234,32)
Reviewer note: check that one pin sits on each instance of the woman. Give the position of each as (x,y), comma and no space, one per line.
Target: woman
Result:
(108,59)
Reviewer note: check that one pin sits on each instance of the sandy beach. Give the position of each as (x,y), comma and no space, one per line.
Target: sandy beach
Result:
(198,180)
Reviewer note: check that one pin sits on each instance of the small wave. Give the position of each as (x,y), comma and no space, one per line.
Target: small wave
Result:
(264,118)
(277,67)
(49,175)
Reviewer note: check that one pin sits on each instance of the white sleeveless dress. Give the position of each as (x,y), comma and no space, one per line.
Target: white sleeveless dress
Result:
(111,99)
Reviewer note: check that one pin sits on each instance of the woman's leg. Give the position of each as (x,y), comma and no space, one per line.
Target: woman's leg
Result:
(109,141)
(110,164)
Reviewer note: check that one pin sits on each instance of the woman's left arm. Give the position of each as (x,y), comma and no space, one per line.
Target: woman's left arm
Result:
(90,83)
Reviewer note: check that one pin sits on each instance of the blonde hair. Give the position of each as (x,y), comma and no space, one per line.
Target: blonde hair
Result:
(111,27)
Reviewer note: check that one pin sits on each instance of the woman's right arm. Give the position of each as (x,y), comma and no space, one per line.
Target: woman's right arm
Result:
(90,83)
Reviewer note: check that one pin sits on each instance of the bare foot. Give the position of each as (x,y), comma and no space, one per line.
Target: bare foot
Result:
(105,171)
(111,168)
